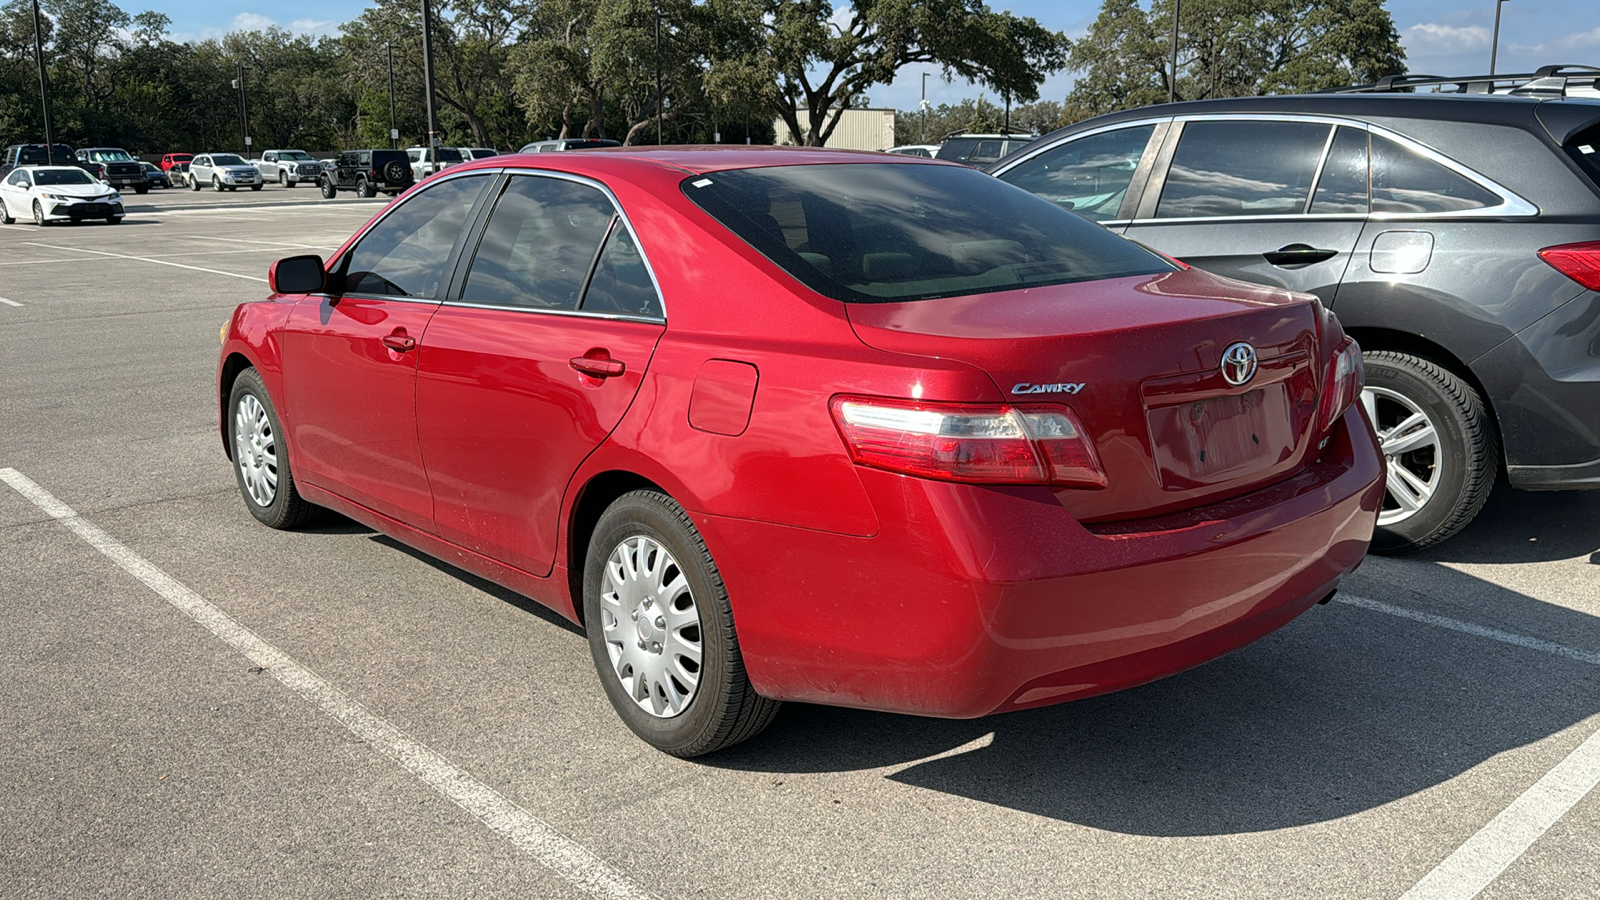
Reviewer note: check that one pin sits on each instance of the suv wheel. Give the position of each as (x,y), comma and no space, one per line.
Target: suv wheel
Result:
(141,189)
(328,190)
(363,189)
(1440,448)
(216,184)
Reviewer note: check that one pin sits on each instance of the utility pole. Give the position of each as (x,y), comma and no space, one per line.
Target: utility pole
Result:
(1494,44)
(1172,82)
(658,76)
(924,107)
(244,119)
(394,132)
(427,79)
(44,87)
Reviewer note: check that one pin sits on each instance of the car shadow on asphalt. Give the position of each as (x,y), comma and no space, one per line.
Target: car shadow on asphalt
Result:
(483,584)
(1344,710)
(1526,526)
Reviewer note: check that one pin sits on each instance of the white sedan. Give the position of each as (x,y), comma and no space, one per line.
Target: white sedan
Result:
(57,194)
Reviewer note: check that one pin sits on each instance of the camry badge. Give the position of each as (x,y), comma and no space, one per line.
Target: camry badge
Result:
(1023,387)
(1238,363)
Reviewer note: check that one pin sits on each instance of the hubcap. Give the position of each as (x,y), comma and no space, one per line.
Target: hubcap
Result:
(651,626)
(255,451)
(1410,444)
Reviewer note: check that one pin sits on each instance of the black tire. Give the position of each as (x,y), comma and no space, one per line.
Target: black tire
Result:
(724,709)
(113,220)
(142,189)
(257,187)
(395,171)
(283,179)
(286,509)
(38,214)
(328,190)
(194,184)
(1461,467)
(363,189)
(216,184)
(5,214)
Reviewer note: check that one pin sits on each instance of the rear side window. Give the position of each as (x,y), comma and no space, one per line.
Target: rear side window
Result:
(1089,176)
(1343,185)
(1584,148)
(1404,181)
(539,244)
(886,232)
(1242,168)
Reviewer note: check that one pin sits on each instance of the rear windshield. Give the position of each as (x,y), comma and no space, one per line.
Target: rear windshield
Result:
(1584,148)
(33,156)
(109,156)
(886,233)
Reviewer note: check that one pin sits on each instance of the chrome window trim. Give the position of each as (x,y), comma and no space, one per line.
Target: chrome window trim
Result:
(1322,163)
(1512,204)
(622,216)
(1017,159)
(380,218)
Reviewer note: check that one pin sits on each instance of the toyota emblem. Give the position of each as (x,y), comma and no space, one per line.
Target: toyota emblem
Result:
(1238,363)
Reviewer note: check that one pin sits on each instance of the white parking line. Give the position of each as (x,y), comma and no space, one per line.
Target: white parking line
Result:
(159,262)
(9,302)
(560,854)
(1477,863)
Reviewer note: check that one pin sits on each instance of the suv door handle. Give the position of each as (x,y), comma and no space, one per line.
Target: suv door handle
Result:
(1298,255)
(400,342)
(598,366)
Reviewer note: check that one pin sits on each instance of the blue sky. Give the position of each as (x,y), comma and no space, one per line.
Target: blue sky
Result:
(1441,38)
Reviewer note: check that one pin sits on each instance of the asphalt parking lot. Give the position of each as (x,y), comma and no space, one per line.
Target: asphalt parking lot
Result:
(196,706)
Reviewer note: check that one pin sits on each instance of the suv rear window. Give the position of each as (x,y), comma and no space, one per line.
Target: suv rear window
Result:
(1584,148)
(886,233)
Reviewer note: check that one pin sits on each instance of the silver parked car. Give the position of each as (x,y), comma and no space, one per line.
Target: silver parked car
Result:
(223,171)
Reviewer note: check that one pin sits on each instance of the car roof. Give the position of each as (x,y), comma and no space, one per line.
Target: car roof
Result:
(52,168)
(692,159)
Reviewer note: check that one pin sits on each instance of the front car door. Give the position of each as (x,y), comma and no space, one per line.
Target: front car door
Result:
(531,363)
(1274,200)
(350,356)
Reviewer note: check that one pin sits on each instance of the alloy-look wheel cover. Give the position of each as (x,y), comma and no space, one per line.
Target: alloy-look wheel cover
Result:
(651,626)
(255,451)
(1409,440)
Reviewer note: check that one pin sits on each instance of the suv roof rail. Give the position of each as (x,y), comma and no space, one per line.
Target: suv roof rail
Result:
(1547,81)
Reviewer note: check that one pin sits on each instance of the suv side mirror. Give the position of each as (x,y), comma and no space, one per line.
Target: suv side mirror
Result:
(297,275)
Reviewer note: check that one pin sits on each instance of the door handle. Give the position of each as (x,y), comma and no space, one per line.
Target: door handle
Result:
(1298,255)
(598,366)
(399,343)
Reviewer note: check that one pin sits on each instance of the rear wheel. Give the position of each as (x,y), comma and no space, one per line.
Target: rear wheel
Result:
(257,187)
(363,189)
(5,214)
(1438,445)
(260,460)
(661,631)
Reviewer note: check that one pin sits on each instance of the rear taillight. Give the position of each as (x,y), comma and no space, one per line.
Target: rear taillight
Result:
(978,444)
(1580,262)
(1342,383)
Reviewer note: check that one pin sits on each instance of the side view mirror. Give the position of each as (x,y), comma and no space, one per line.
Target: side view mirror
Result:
(297,275)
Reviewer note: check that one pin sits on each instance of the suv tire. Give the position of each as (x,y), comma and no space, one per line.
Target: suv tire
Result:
(141,189)
(328,190)
(1448,452)
(364,189)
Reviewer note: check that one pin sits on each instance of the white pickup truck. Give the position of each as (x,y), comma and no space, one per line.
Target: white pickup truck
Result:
(422,166)
(288,167)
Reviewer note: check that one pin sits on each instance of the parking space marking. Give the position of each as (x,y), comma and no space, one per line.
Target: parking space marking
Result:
(159,262)
(270,243)
(1477,863)
(9,302)
(561,855)
(1493,634)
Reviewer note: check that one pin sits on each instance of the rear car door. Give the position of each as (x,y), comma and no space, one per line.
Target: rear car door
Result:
(531,363)
(14,193)
(350,356)
(1266,199)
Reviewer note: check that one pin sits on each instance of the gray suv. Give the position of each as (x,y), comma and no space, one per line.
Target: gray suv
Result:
(1454,230)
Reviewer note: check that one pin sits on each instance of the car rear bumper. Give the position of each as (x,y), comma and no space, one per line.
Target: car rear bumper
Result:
(971,601)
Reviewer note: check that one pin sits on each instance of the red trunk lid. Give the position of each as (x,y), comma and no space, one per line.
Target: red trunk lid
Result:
(1139,360)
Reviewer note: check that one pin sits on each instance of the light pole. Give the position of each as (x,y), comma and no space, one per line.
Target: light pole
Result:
(427,79)
(1172,82)
(394,132)
(44,87)
(1494,44)
(924,107)
(244,120)
(658,76)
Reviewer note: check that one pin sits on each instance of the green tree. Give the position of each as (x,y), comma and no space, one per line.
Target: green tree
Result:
(1230,48)
(818,63)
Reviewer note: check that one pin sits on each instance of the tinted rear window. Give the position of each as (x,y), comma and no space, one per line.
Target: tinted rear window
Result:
(885,233)
(1584,148)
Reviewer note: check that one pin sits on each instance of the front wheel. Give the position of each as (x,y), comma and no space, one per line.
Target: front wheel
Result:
(328,190)
(216,184)
(113,220)
(142,189)
(194,183)
(283,179)
(661,631)
(260,459)
(38,214)
(1439,447)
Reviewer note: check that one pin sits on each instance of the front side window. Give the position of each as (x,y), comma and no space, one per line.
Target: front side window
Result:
(1404,181)
(539,244)
(404,255)
(1242,168)
(1089,176)
(891,232)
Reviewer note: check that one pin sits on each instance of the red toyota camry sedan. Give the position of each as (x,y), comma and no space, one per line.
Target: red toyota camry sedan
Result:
(811,425)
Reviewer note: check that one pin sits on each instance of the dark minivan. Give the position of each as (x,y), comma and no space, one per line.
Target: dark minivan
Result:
(1455,232)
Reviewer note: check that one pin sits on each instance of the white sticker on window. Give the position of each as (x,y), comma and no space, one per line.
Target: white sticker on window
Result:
(701,183)
(1586,148)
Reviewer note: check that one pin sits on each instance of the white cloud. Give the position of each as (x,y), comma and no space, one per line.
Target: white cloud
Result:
(314,27)
(841,17)
(1583,40)
(247,21)
(1431,36)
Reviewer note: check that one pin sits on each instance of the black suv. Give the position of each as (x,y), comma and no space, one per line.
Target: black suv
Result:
(35,155)
(1453,225)
(367,172)
(115,166)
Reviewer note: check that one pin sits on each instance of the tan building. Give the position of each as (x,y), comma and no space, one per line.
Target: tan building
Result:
(858,129)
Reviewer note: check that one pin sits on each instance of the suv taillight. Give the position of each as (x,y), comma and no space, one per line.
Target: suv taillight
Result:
(972,443)
(1580,262)
(1342,383)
